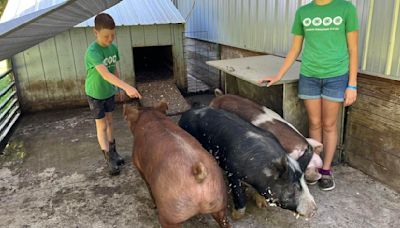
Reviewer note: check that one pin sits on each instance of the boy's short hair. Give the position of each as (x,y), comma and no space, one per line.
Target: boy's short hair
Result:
(103,21)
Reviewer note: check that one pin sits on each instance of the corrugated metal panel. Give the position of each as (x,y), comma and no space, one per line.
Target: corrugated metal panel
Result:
(18,8)
(265,26)
(139,12)
(381,47)
(257,25)
(30,29)
(128,12)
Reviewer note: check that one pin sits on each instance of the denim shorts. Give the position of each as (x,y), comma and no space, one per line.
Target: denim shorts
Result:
(327,88)
(100,107)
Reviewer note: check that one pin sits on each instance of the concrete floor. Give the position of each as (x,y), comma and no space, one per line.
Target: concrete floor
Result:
(53,175)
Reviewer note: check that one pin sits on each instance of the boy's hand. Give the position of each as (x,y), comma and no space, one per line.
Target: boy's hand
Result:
(133,93)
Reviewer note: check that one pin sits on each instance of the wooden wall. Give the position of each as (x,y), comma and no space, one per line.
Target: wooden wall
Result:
(372,142)
(52,74)
(197,53)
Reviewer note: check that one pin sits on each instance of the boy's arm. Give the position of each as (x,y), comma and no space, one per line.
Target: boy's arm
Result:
(111,78)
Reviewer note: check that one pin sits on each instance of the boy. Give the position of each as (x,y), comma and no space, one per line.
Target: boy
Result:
(101,85)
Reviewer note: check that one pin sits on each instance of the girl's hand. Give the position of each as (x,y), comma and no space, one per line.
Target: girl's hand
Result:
(350,97)
(271,80)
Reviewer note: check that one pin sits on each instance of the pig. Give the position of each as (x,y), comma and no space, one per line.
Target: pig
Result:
(290,138)
(253,156)
(182,177)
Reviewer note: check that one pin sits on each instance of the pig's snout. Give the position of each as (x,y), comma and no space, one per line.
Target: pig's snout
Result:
(308,210)
(312,173)
(307,206)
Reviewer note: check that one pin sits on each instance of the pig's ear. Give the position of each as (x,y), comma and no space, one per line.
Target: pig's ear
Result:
(162,106)
(305,159)
(218,92)
(281,167)
(131,113)
(317,146)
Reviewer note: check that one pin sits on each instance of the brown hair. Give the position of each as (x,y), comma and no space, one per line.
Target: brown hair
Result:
(103,21)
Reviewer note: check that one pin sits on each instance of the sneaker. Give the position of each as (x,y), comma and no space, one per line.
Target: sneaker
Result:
(309,182)
(326,183)
(114,154)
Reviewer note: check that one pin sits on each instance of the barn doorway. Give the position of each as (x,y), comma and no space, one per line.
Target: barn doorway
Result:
(153,63)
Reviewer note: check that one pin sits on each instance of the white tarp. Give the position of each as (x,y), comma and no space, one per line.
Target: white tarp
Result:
(28,30)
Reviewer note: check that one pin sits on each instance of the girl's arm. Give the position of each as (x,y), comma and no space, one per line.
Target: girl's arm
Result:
(352,45)
(292,55)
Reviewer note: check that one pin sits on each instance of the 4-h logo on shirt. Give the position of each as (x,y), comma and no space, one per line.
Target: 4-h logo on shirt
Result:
(337,20)
(111,60)
(317,21)
(326,21)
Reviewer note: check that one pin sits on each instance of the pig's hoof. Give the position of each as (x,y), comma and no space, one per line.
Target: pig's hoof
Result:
(238,214)
(260,200)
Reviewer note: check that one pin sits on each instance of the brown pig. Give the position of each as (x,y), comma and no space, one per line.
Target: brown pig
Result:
(183,178)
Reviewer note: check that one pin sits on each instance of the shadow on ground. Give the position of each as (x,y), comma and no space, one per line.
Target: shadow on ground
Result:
(53,175)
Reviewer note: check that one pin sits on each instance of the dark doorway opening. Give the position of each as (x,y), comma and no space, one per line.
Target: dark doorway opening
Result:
(153,63)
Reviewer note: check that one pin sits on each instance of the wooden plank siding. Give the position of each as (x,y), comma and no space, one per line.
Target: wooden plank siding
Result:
(373,130)
(164,35)
(125,68)
(78,39)
(150,36)
(51,69)
(52,74)
(178,57)
(37,82)
(137,36)
(66,62)
(21,77)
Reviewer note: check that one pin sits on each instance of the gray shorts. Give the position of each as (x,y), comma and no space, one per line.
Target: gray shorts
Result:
(100,107)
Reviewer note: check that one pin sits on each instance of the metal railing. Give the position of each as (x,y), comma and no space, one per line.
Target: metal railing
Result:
(9,106)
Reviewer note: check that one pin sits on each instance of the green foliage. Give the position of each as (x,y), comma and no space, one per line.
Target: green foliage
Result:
(3,4)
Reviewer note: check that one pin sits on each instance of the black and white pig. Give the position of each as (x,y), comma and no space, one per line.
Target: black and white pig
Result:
(290,138)
(253,156)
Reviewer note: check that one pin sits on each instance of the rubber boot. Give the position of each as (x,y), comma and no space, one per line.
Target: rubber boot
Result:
(114,154)
(113,168)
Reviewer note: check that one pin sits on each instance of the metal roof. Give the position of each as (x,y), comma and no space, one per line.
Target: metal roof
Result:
(139,12)
(32,27)
(127,12)
(19,8)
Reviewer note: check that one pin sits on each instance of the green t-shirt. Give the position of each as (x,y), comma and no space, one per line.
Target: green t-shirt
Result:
(95,85)
(324,29)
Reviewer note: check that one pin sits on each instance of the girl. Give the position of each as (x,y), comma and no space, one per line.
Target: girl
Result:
(328,74)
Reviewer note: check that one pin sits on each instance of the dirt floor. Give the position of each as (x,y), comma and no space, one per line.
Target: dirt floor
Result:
(53,175)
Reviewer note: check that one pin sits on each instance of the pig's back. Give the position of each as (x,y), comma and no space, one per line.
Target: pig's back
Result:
(172,179)
(288,136)
(238,145)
